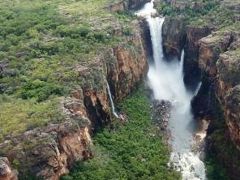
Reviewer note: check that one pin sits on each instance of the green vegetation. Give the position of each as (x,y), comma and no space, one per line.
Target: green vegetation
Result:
(199,13)
(221,149)
(18,115)
(41,43)
(131,150)
(215,170)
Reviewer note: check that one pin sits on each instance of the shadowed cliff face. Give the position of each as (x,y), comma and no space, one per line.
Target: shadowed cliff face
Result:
(130,67)
(49,152)
(219,60)
(232,113)
(211,55)
(192,72)
(177,36)
(174,36)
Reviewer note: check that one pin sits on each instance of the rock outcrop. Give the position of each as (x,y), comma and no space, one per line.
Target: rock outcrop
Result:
(174,35)
(212,55)
(210,49)
(6,172)
(228,67)
(50,151)
(178,36)
(219,60)
(232,114)
(192,72)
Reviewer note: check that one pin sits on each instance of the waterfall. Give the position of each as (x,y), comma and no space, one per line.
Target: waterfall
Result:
(166,81)
(111,101)
(182,62)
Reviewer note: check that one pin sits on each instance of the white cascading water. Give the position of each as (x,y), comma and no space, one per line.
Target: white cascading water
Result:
(166,81)
(111,101)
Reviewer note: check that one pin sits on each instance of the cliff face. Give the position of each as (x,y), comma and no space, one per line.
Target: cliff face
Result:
(129,67)
(174,36)
(228,67)
(192,72)
(50,151)
(210,49)
(232,114)
(178,36)
(212,56)
(219,60)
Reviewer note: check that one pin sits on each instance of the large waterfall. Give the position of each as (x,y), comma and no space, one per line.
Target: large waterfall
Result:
(166,81)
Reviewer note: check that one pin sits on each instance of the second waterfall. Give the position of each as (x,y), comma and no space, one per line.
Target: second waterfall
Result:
(166,81)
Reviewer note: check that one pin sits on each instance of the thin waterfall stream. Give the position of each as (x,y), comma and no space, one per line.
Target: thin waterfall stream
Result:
(111,102)
(166,81)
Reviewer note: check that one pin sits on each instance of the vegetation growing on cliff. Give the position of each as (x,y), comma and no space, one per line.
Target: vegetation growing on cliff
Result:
(131,150)
(18,115)
(41,43)
(221,17)
(199,13)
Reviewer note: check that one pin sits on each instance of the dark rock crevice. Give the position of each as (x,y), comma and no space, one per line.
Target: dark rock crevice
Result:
(174,37)
(213,58)
(95,112)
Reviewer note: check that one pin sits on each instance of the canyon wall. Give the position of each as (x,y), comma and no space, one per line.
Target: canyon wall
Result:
(50,151)
(212,55)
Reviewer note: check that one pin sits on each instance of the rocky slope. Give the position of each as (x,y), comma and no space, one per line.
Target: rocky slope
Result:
(48,152)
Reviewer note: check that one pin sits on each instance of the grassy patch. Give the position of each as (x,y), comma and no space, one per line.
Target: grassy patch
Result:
(18,115)
(134,150)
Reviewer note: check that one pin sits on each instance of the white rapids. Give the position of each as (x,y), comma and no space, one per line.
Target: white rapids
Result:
(166,81)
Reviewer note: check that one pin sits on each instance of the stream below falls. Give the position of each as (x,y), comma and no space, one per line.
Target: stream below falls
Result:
(166,81)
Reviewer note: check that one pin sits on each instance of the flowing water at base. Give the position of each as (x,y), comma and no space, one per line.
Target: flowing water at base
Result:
(166,81)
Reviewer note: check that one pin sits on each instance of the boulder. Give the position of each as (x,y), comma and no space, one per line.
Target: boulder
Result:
(6,172)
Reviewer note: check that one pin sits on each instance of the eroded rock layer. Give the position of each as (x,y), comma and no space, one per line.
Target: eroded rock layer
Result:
(50,151)
(212,55)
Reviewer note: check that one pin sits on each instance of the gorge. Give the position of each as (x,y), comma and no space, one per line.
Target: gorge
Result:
(172,73)
(166,81)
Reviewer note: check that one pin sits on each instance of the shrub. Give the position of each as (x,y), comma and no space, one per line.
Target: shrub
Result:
(40,90)
(128,151)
